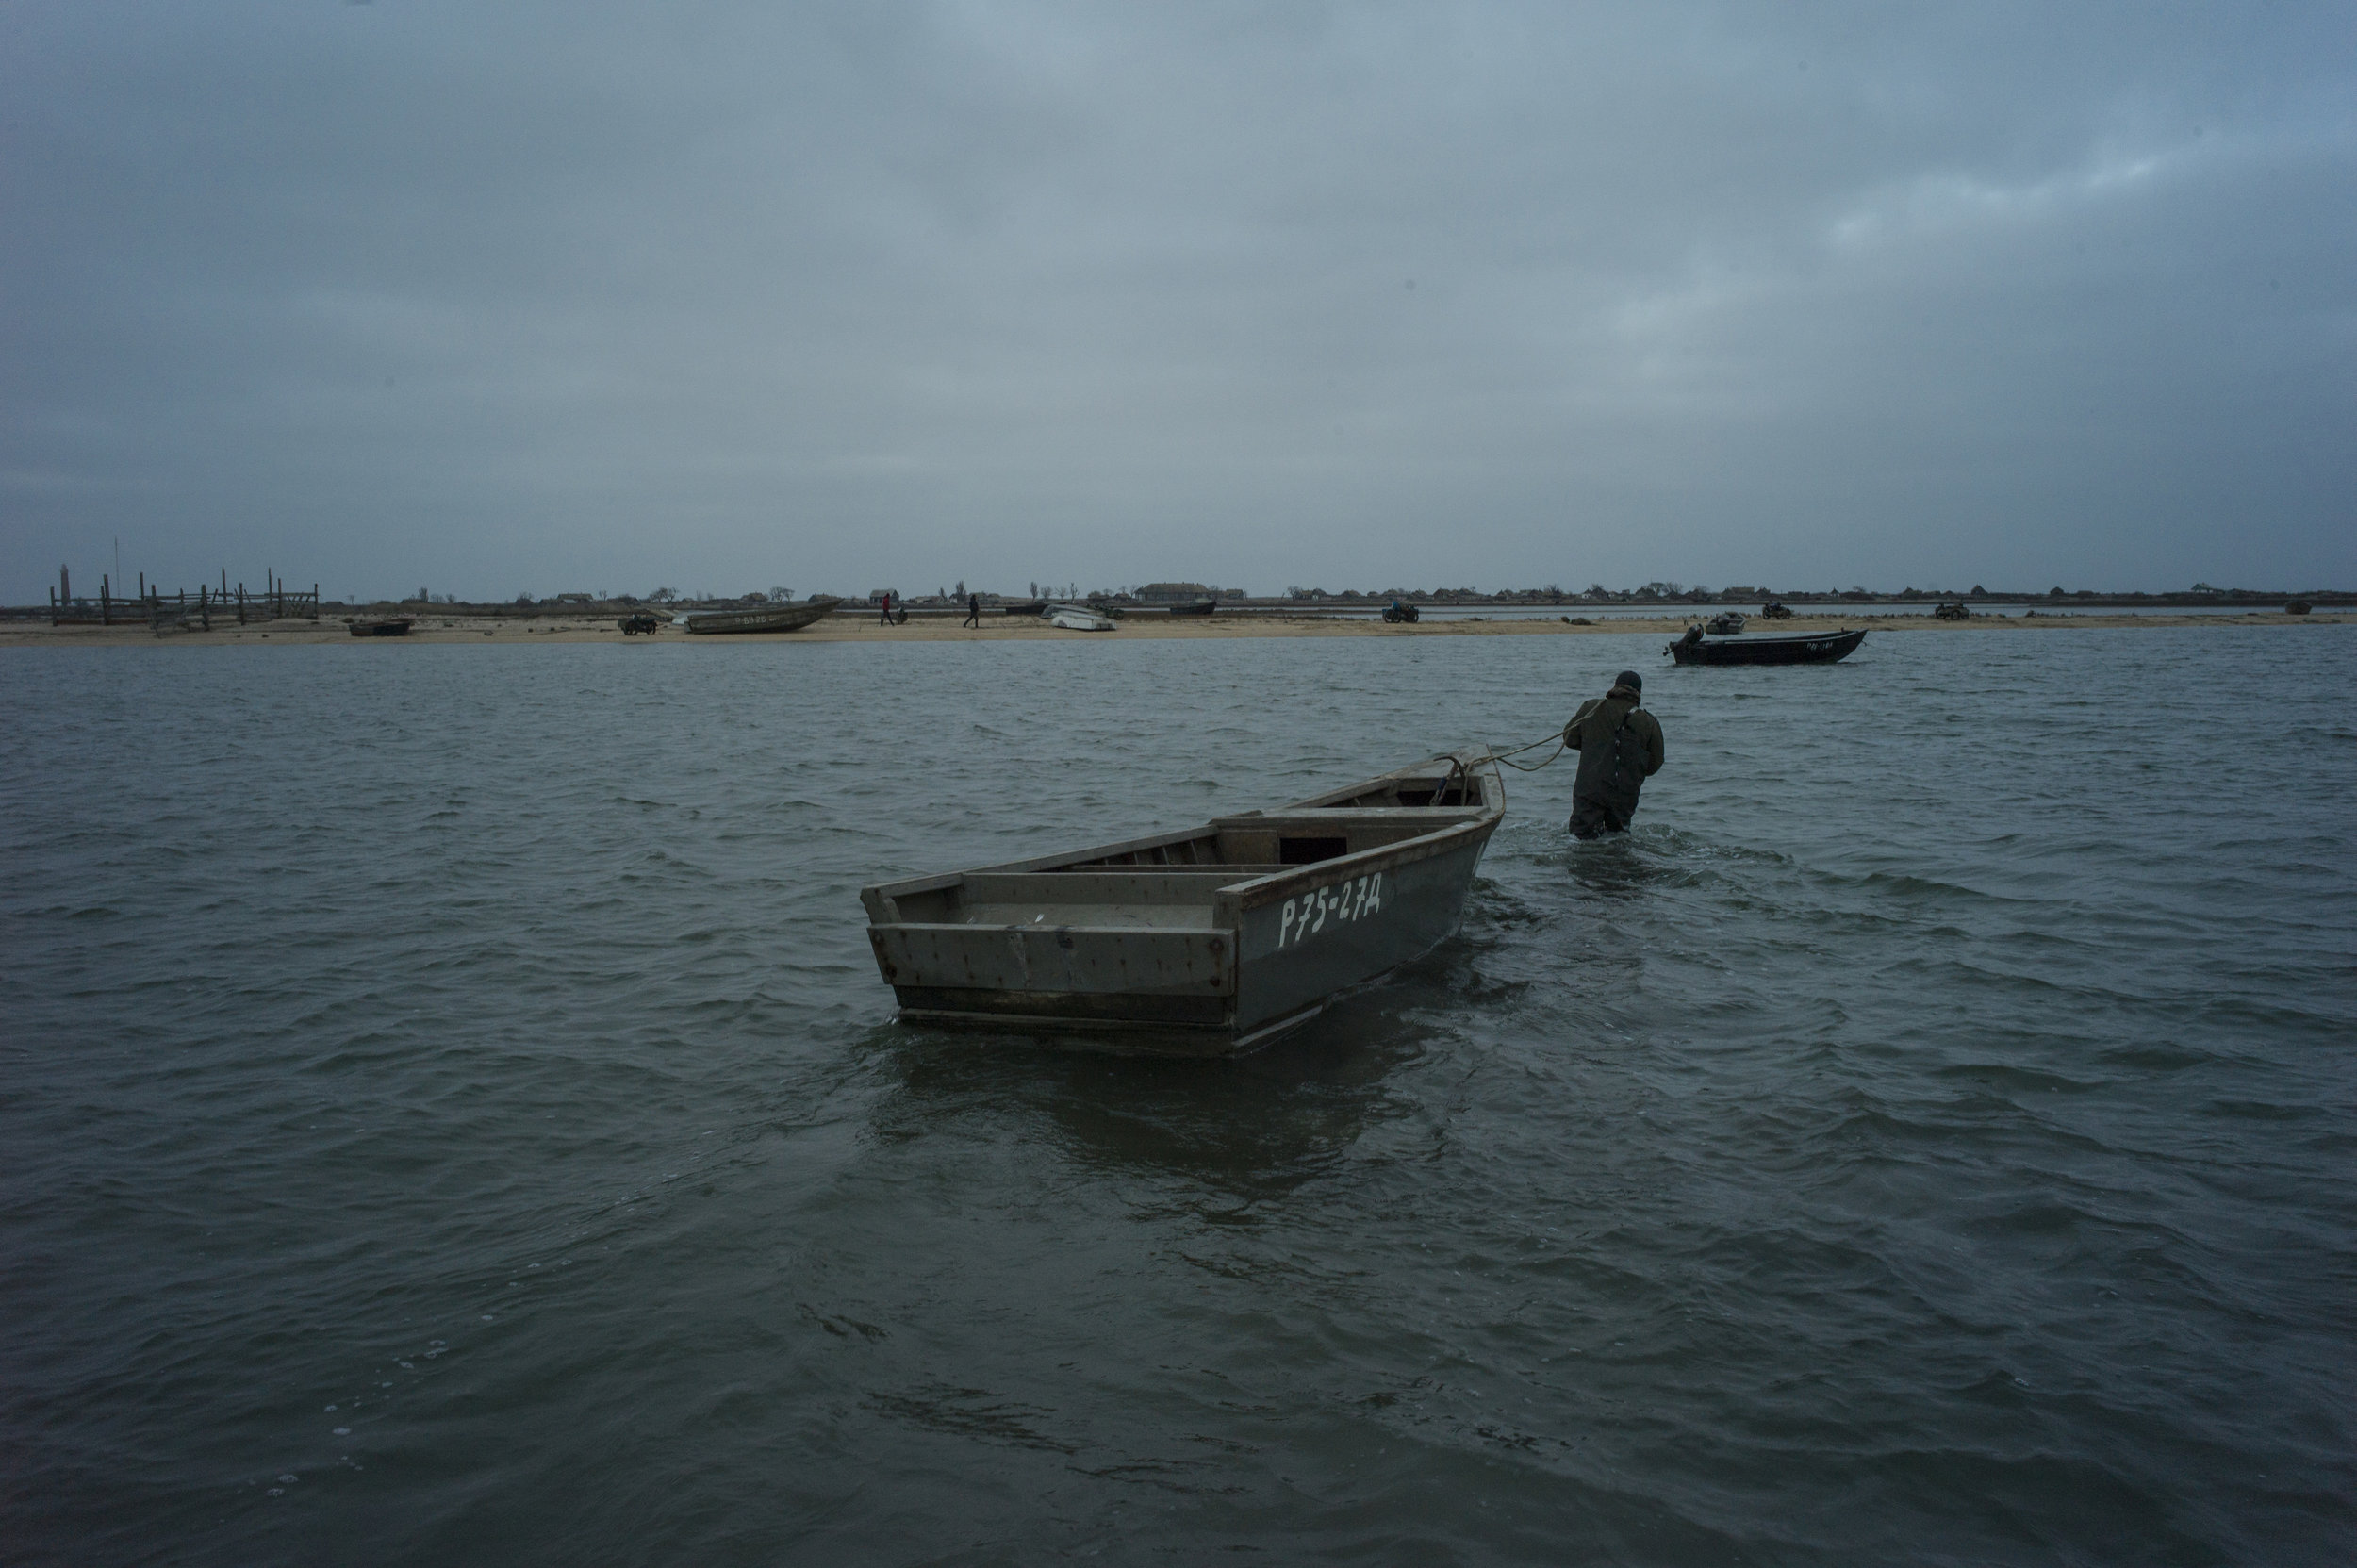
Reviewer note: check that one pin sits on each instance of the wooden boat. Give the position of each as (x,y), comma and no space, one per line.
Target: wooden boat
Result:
(1075,617)
(1200,942)
(1728,623)
(772,617)
(1029,606)
(1200,607)
(1804,648)
(396,626)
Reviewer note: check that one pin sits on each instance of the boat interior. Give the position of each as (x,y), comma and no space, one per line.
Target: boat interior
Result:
(1168,880)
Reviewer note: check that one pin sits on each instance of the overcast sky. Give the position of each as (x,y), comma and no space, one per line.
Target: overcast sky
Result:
(536,297)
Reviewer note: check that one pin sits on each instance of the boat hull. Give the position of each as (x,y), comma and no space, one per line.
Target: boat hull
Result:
(1155,946)
(1821,647)
(1293,963)
(783,617)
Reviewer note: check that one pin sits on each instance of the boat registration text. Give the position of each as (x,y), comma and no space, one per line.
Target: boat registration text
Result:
(1305,916)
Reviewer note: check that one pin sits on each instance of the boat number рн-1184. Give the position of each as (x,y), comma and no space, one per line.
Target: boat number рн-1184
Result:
(1304,916)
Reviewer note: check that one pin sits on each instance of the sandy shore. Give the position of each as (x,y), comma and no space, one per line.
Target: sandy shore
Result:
(461,629)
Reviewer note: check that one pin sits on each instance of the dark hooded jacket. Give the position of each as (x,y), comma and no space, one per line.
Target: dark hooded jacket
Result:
(1619,748)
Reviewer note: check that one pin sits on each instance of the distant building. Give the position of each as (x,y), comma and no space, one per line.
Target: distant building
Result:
(1174,593)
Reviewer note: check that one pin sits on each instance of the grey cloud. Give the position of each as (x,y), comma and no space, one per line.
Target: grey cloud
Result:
(1364,294)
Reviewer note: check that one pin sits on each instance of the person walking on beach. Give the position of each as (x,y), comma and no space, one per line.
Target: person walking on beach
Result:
(887,609)
(1619,748)
(973,611)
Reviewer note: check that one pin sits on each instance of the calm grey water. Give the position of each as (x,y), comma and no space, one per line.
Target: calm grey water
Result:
(451,1116)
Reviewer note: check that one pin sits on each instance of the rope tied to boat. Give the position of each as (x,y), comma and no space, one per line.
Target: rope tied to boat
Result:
(1459,767)
(1561,740)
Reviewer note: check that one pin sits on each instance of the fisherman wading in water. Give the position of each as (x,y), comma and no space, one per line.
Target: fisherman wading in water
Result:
(1619,748)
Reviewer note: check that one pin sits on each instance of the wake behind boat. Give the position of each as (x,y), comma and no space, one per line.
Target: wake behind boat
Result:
(772,618)
(1204,941)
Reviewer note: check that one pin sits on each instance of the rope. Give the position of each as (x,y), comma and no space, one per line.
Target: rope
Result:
(1460,770)
(1528,767)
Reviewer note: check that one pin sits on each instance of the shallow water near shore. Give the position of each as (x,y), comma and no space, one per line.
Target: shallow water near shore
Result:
(453,1117)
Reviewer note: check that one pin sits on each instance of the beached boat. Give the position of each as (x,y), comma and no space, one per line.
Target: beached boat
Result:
(768,618)
(1202,606)
(1728,623)
(1073,617)
(1200,942)
(396,626)
(1804,648)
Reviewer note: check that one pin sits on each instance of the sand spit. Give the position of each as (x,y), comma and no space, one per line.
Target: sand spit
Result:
(945,628)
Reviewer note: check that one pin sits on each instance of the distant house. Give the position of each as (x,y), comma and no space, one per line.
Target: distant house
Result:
(876,596)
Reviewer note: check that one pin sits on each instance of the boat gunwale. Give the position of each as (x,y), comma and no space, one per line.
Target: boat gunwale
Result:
(1262,887)
(1253,892)
(1772,638)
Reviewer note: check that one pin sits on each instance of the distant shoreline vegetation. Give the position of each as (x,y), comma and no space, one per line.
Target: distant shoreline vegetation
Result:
(1154,596)
(1667,595)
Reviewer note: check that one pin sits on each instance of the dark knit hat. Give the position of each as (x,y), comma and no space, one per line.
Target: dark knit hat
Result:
(1630,679)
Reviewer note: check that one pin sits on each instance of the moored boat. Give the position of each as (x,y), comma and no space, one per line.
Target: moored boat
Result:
(1200,607)
(772,618)
(1200,942)
(394,626)
(1802,648)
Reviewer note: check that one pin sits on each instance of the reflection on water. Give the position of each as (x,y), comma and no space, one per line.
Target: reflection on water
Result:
(1617,864)
(1248,1128)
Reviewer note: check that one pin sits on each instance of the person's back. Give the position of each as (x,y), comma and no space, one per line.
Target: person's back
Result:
(1619,748)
